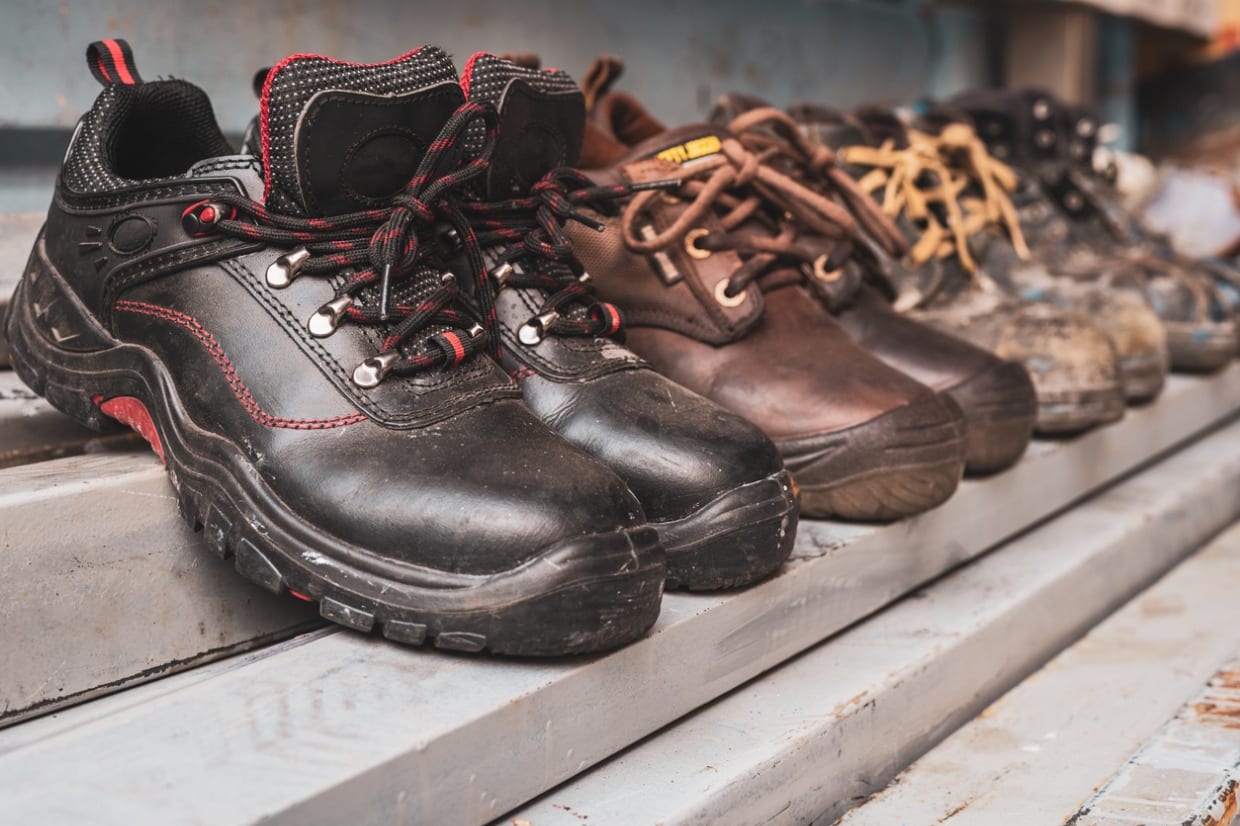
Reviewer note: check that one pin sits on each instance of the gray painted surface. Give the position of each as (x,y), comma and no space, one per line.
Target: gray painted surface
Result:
(1037,754)
(104,586)
(1187,774)
(347,728)
(806,741)
(31,430)
(17,234)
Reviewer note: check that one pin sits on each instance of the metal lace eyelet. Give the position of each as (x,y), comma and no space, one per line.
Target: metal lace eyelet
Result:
(691,247)
(1084,127)
(725,300)
(1041,109)
(533,331)
(1045,138)
(325,321)
(502,274)
(285,268)
(826,275)
(200,219)
(370,372)
(1074,201)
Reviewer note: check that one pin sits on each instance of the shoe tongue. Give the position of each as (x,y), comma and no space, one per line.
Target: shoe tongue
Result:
(542,117)
(684,145)
(341,137)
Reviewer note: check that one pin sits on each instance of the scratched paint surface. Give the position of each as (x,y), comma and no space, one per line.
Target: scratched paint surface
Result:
(1187,774)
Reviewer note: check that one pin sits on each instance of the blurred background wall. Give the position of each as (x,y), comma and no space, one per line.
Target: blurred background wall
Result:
(680,54)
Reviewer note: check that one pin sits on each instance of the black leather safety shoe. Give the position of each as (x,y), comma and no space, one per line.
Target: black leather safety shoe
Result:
(321,397)
(711,483)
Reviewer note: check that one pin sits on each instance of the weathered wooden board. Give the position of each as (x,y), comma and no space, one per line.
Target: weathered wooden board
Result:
(1037,755)
(17,233)
(347,727)
(808,740)
(31,430)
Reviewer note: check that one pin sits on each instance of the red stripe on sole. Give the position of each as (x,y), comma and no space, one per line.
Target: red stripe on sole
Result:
(132,413)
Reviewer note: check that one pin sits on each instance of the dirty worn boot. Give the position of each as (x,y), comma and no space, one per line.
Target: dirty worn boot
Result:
(713,278)
(1077,227)
(710,482)
(323,400)
(1072,362)
(992,188)
(996,395)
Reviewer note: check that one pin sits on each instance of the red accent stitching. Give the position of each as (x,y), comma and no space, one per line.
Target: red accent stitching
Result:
(230,374)
(264,99)
(467,74)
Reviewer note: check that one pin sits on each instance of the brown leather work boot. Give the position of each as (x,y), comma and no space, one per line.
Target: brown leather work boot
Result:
(996,395)
(712,279)
(949,277)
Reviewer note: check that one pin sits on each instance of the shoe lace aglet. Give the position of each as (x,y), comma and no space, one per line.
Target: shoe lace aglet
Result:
(384,288)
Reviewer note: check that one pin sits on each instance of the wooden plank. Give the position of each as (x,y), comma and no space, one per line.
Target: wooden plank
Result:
(1038,754)
(805,742)
(348,727)
(17,233)
(31,430)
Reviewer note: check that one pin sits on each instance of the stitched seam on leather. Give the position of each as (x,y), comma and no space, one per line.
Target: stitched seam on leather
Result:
(125,198)
(126,275)
(230,373)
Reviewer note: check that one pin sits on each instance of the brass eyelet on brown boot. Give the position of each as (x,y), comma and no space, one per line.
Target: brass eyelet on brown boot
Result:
(825,275)
(691,247)
(725,300)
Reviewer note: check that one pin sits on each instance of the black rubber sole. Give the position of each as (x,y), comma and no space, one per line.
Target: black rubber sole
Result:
(1000,408)
(586,594)
(899,464)
(1201,348)
(742,537)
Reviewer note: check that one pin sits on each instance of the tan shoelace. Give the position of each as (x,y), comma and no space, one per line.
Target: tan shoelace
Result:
(937,170)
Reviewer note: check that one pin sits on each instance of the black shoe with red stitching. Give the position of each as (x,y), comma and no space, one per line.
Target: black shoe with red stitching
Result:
(322,397)
(710,482)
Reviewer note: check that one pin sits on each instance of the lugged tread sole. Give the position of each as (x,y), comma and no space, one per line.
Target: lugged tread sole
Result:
(1197,348)
(1000,408)
(742,537)
(899,464)
(1069,413)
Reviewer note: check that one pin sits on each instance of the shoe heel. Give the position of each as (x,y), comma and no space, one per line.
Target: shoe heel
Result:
(42,365)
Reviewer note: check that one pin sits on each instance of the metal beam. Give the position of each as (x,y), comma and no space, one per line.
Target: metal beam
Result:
(349,727)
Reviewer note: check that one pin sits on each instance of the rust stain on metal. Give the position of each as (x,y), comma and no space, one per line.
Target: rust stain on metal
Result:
(1227,800)
(1220,706)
